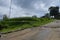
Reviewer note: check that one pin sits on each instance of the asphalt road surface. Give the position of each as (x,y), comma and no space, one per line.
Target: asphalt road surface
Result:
(49,31)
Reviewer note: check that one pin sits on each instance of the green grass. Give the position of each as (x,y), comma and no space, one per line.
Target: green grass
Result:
(10,29)
(20,26)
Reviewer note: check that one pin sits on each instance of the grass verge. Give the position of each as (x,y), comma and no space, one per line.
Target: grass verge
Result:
(15,27)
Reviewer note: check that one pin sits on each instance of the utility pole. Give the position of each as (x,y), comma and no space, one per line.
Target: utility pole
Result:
(10,8)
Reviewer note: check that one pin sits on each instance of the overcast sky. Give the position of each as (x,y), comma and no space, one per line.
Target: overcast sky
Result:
(21,8)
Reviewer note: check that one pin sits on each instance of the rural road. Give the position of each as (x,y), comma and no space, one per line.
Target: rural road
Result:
(49,31)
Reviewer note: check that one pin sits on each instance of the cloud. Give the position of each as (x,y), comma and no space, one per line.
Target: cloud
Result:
(20,12)
(40,6)
(37,6)
(5,3)
(23,3)
(20,8)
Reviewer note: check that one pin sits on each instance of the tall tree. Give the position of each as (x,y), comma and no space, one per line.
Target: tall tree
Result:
(54,11)
(47,15)
(5,17)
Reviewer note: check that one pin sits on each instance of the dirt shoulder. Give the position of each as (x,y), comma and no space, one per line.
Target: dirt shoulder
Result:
(20,35)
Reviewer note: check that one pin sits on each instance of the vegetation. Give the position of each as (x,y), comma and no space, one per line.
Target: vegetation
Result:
(54,11)
(13,24)
(22,23)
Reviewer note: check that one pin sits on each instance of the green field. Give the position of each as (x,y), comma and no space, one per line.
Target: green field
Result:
(14,24)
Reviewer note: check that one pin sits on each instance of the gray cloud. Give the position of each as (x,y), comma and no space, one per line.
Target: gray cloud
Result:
(4,3)
(24,3)
(29,4)
(27,7)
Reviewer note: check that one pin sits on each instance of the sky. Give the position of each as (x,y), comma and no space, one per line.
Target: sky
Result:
(22,8)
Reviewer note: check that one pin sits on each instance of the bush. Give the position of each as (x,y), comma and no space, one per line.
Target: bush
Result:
(20,24)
